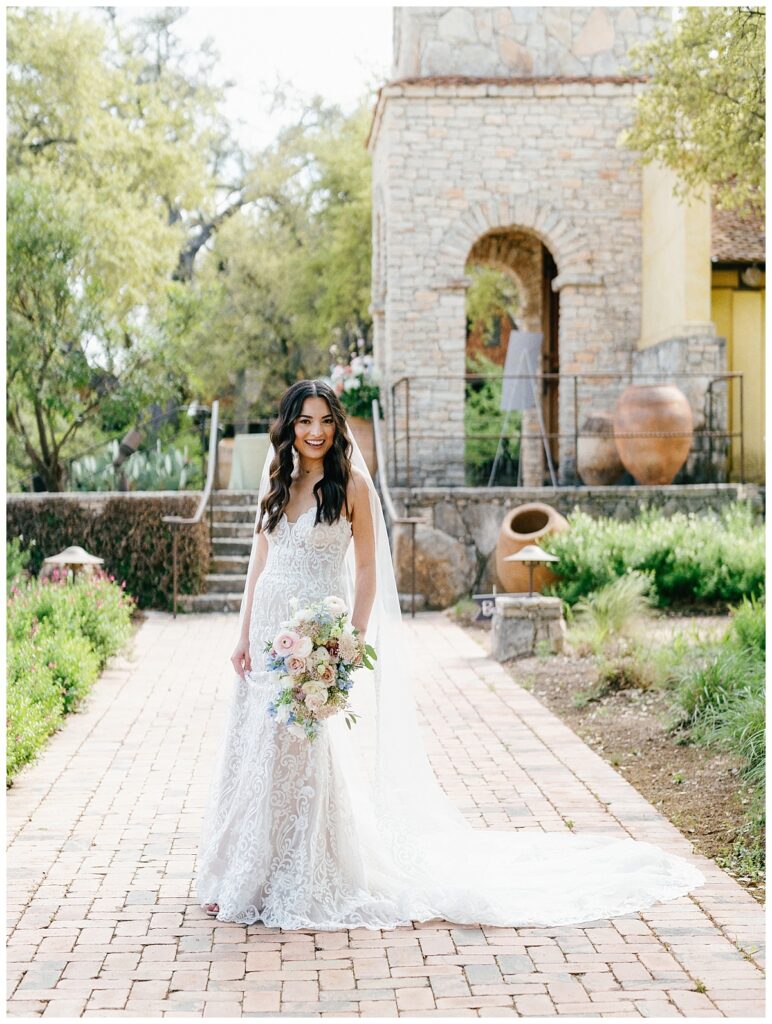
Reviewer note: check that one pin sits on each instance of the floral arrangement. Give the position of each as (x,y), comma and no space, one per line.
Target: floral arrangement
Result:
(356,384)
(315,653)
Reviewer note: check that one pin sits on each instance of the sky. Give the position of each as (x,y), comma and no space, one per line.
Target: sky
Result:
(336,52)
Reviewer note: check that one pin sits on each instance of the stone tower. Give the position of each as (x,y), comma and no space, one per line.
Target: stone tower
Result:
(496,142)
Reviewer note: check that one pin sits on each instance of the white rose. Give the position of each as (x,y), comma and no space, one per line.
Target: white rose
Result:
(315,696)
(297,730)
(303,647)
(335,605)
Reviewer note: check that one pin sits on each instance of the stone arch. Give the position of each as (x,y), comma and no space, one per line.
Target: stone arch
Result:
(514,252)
(569,249)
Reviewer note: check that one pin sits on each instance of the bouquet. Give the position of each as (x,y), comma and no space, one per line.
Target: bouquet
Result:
(314,654)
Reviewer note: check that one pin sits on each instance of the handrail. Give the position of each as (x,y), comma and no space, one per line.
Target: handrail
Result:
(410,521)
(203,501)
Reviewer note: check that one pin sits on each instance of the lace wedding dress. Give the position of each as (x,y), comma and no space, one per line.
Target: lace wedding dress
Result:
(309,835)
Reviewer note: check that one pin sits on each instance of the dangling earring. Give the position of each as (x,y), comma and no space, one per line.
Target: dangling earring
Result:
(295,463)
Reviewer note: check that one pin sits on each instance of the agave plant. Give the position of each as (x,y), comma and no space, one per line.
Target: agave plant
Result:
(152,470)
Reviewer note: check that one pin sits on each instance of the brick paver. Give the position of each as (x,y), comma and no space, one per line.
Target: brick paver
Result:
(102,840)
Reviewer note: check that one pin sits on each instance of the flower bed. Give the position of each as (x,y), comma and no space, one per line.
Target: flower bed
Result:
(60,635)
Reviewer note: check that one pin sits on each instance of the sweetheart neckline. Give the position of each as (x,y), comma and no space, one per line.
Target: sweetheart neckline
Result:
(311,508)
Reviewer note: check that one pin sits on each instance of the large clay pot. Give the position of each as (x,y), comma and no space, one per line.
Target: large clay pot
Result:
(224,462)
(655,409)
(526,524)
(597,458)
(362,429)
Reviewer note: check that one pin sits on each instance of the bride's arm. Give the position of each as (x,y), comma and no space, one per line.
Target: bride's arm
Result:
(257,568)
(363,534)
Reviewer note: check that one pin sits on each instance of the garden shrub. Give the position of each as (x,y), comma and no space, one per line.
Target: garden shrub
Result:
(716,557)
(60,634)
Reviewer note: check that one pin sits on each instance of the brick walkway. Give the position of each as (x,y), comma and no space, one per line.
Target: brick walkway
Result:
(102,840)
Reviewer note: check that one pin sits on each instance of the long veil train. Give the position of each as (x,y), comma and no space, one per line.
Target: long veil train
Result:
(419,849)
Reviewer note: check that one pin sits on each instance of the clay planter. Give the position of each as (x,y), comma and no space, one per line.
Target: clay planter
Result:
(597,459)
(526,524)
(659,409)
(362,429)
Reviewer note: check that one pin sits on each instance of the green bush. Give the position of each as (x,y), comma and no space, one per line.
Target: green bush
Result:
(60,634)
(16,561)
(717,557)
(721,696)
(483,415)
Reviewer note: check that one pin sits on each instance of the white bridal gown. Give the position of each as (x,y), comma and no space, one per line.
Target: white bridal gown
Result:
(289,838)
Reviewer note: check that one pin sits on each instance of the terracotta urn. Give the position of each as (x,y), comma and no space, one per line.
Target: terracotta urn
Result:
(526,524)
(224,462)
(362,429)
(597,459)
(663,412)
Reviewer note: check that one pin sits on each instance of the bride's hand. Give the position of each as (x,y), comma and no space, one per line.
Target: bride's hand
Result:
(240,658)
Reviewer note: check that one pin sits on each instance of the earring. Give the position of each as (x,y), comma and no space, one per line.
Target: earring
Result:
(295,463)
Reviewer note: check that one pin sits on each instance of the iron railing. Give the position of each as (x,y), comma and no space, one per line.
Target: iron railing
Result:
(177,522)
(405,431)
(388,503)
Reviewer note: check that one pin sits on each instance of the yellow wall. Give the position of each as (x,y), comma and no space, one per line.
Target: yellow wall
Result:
(676,260)
(739,317)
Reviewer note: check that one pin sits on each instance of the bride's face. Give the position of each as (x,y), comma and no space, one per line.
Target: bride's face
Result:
(314,429)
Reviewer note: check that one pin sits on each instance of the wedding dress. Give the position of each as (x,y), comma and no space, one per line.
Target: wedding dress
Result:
(354,829)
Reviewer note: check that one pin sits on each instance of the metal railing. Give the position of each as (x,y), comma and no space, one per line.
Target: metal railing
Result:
(388,502)
(404,433)
(177,522)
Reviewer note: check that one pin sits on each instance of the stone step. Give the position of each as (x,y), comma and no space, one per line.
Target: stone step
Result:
(222,530)
(235,497)
(225,583)
(234,545)
(227,565)
(234,513)
(213,602)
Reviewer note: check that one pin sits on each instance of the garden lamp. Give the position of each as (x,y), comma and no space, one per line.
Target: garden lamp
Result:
(74,557)
(531,554)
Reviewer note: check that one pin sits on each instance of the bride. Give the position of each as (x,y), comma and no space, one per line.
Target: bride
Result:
(353,829)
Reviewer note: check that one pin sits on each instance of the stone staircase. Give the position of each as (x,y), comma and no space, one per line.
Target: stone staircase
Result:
(233,518)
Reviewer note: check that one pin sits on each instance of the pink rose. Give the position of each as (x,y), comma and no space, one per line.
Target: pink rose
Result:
(325,673)
(285,642)
(296,666)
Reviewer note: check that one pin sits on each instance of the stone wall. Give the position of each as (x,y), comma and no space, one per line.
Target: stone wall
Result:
(505,41)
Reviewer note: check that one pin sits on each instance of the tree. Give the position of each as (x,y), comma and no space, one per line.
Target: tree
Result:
(290,274)
(115,134)
(703,114)
(63,360)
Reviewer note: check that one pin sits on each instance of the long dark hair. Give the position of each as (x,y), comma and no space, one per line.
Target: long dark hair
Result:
(330,491)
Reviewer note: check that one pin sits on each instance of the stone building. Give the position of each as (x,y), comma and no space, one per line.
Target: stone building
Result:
(497,142)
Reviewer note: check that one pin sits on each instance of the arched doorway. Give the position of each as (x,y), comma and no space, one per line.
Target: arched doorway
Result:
(520,257)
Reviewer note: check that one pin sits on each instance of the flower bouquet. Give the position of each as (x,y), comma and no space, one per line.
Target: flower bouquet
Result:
(356,384)
(314,654)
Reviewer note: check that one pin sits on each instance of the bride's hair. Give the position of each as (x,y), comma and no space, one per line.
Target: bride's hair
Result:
(330,491)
